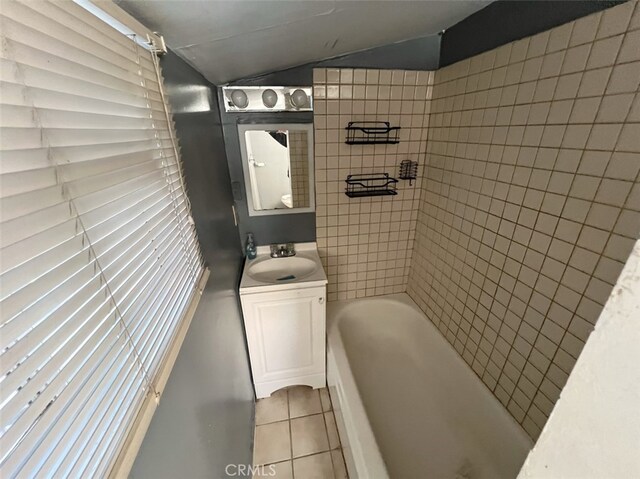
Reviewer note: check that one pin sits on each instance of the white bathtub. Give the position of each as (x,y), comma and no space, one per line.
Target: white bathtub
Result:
(406,404)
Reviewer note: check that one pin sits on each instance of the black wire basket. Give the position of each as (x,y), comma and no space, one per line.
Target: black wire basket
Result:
(370,184)
(372,133)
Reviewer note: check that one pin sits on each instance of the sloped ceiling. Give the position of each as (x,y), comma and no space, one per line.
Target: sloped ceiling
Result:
(227,40)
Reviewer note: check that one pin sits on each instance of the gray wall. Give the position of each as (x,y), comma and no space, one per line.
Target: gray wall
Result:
(203,152)
(417,54)
(298,227)
(497,24)
(504,21)
(206,414)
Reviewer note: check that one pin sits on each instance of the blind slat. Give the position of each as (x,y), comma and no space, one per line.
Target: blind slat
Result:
(69,335)
(19,355)
(134,294)
(29,202)
(31,247)
(158,332)
(27,405)
(99,259)
(72,394)
(22,252)
(19,182)
(66,80)
(33,138)
(24,116)
(21,22)
(107,233)
(14,279)
(79,443)
(33,384)
(30,391)
(18,308)
(55,100)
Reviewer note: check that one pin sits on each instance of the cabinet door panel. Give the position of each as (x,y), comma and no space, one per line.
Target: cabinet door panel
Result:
(286,330)
(286,333)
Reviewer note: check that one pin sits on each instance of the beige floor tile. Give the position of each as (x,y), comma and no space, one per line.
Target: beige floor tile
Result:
(325,400)
(308,435)
(332,430)
(281,470)
(272,409)
(304,401)
(339,467)
(318,466)
(272,443)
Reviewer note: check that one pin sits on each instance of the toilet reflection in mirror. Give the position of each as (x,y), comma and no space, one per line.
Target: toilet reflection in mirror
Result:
(277,161)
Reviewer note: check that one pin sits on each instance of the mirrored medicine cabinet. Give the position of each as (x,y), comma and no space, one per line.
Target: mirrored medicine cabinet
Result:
(277,161)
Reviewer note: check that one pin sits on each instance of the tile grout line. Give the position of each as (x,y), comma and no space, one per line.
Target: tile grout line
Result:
(326,432)
(293,474)
(432,228)
(485,325)
(545,255)
(610,233)
(583,223)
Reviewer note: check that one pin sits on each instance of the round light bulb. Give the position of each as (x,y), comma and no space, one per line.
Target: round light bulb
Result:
(269,98)
(239,98)
(299,98)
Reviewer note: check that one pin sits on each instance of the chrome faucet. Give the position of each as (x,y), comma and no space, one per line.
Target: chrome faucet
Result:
(282,250)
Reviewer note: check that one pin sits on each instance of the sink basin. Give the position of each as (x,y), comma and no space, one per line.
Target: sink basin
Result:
(304,270)
(281,270)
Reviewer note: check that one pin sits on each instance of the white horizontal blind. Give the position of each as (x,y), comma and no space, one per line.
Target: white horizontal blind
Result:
(98,258)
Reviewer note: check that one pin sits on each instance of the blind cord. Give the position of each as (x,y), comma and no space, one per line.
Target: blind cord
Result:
(60,179)
(156,66)
(92,253)
(165,163)
(117,292)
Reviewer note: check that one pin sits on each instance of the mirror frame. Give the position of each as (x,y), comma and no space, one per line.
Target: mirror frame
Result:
(308,127)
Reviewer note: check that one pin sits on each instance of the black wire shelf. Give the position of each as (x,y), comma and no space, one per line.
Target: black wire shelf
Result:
(370,184)
(372,133)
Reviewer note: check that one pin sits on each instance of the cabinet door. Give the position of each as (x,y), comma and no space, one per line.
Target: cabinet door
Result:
(285,333)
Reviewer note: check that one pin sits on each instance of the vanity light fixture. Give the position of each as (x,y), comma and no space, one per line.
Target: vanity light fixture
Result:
(269,98)
(299,98)
(239,98)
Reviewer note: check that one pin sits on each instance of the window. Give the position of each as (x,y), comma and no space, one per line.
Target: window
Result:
(99,260)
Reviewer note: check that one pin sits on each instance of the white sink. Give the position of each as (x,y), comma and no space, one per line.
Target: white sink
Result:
(276,270)
(264,273)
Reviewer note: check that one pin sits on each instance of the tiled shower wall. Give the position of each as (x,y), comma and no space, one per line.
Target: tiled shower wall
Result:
(530,202)
(365,243)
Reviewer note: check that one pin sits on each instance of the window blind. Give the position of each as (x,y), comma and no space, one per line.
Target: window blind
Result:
(99,259)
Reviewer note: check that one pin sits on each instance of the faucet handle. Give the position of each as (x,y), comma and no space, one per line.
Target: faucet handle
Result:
(278,250)
(282,250)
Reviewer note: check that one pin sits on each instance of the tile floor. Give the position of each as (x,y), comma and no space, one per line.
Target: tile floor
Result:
(296,433)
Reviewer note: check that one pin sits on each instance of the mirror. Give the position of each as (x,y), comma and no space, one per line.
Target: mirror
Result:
(277,160)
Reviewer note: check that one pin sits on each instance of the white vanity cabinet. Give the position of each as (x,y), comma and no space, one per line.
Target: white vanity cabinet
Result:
(283,304)
(286,337)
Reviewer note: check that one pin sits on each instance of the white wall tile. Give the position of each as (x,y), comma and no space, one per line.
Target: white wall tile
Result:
(524,212)
(530,202)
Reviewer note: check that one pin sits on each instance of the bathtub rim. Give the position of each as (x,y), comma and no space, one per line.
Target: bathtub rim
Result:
(335,312)
(360,449)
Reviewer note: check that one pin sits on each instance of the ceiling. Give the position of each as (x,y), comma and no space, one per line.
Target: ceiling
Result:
(232,39)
